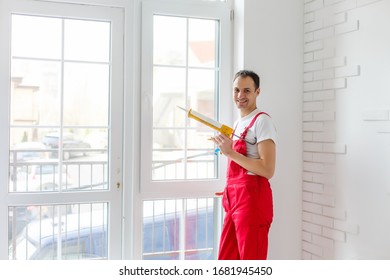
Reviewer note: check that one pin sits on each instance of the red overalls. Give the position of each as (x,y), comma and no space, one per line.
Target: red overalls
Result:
(247,201)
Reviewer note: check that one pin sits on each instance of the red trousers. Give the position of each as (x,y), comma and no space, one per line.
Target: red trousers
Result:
(247,201)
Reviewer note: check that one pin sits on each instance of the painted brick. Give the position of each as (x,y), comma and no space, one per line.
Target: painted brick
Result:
(329,168)
(308,37)
(335,19)
(309,227)
(313,167)
(343,6)
(307,176)
(324,33)
(322,241)
(312,6)
(312,66)
(322,220)
(366,2)
(323,74)
(307,96)
(323,116)
(329,125)
(311,26)
(308,17)
(324,178)
(313,106)
(307,156)
(324,199)
(325,53)
(335,83)
(312,147)
(330,188)
(312,207)
(334,62)
(331,2)
(313,46)
(324,158)
(375,115)
(306,216)
(349,26)
(308,57)
(323,95)
(313,187)
(347,227)
(313,126)
(335,148)
(311,248)
(324,137)
(306,196)
(319,178)
(308,116)
(307,136)
(334,213)
(306,236)
(347,71)
(312,86)
(308,77)
(334,234)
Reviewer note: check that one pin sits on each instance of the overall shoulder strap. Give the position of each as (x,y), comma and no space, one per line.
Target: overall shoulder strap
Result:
(254,119)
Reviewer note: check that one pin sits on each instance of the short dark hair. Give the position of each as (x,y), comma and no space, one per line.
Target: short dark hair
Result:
(248,73)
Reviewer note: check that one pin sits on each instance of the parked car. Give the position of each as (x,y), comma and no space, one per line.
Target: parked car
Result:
(80,239)
(72,147)
(161,235)
(39,176)
(83,239)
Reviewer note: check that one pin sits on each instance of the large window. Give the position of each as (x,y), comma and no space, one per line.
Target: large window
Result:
(62,133)
(186,54)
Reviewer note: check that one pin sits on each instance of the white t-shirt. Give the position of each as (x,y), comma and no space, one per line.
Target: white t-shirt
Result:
(262,129)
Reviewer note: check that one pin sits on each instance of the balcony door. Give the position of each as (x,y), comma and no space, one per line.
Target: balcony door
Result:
(62,75)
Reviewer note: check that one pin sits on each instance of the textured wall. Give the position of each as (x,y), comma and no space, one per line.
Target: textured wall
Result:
(346,129)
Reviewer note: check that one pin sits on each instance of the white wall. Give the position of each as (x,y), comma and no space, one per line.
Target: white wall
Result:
(346,201)
(268,39)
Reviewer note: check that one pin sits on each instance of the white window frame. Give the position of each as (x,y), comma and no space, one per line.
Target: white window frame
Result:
(198,9)
(45,7)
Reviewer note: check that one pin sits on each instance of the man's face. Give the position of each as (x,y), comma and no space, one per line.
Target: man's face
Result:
(245,94)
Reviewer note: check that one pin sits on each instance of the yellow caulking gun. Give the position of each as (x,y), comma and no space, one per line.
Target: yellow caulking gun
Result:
(228,131)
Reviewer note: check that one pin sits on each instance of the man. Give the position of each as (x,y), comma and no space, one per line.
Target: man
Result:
(251,153)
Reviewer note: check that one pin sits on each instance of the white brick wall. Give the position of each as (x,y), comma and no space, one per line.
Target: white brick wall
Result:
(326,71)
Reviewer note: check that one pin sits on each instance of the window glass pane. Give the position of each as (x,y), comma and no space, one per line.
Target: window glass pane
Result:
(168,154)
(202,92)
(86,94)
(180,146)
(59,123)
(178,229)
(82,38)
(36,37)
(48,232)
(35,92)
(202,45)
(34,159)
(169,87)
(169,40)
